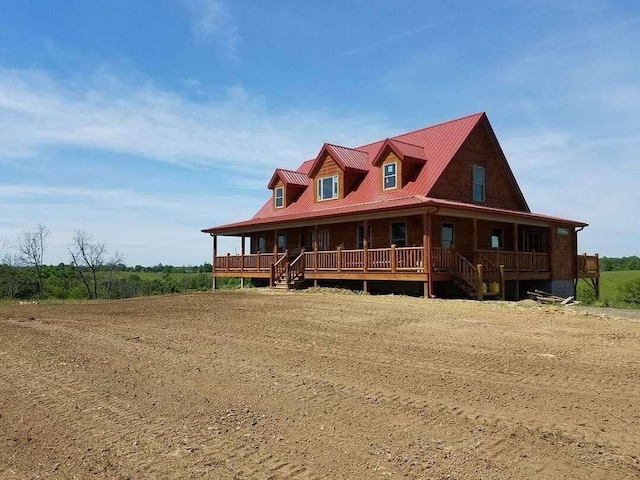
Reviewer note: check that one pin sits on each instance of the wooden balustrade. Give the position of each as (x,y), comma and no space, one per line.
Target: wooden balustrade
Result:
(441,259)
(410,258)
(400,259)
(379,258)
(588,264)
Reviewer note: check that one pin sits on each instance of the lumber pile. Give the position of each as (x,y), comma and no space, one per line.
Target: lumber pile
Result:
(545,297)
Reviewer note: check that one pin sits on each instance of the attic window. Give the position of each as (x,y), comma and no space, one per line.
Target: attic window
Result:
(389,176)
(327,188)
(278,194)
(478,183)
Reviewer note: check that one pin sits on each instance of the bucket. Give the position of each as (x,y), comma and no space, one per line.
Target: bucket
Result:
(494,287)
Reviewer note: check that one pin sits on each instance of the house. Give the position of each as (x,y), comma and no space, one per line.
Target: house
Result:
(437,208)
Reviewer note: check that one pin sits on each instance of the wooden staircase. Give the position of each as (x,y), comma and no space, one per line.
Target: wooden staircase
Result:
(469,277)
(287,274)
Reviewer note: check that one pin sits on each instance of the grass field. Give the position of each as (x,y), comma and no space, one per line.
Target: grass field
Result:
(609,284)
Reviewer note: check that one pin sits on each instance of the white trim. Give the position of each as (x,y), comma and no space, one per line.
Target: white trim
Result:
(319,189)
(276,197)
(395,175)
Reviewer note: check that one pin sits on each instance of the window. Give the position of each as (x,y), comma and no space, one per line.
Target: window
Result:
(478,183)
(262,244)
(563,231)
(327,188)
(282,242)
(532,241)
(497,238)
(399,234)
(361,237)
(389,176)
(323,240)
(447,235)
(279,197)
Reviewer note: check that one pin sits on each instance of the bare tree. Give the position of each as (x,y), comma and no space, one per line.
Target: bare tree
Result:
(30,247)
(114,261)
(87,255)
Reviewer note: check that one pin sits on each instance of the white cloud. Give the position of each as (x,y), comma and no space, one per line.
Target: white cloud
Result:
(235,132)
(212,20)
(147,229)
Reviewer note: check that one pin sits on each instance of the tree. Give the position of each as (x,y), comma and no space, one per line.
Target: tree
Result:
(30,247)
(116,260)
(87,255)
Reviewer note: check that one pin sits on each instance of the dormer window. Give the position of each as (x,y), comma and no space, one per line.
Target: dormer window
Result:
(389,180)
(327,188)
(278,195)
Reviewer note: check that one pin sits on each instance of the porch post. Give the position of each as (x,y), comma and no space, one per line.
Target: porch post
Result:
(275,245)
(393,258)
(479,292)
(213,267)
(516,240)
(315,254)
(426,255)
(242,261)
(365,247)
(475,240)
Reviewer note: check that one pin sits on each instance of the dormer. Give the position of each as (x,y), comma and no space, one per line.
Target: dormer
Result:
(398,162)
(287,186)
(336,171)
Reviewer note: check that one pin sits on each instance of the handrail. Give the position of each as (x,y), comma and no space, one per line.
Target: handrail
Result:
(296,268)
(490,270)
(279,268)
(465,269)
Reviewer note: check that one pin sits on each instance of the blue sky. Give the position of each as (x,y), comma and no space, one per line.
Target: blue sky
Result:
(143,122)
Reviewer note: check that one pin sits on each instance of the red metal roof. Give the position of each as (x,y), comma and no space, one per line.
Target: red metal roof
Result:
(403,150)
(384,205)
(347,158)
(438,144)
(289,177)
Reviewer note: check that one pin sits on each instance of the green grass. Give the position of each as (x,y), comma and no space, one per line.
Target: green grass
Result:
(609,285)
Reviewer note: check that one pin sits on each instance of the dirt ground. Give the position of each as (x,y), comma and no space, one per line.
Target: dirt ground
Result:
(272,385)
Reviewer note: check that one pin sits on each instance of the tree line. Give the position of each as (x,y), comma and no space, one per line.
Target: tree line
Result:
(608,264)
(92,272)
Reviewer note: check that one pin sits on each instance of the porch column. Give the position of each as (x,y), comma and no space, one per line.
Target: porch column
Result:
(365,247)
(315,254)
(426,255)
(275,245)
(213,266)
(242,261)
(475,240)
(516,247)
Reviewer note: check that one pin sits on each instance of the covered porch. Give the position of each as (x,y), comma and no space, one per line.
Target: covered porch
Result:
(434,246)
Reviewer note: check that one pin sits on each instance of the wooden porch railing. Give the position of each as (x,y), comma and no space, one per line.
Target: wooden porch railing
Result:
(398,259)
(280,268)
(517,261)
(296,268)
(588,265)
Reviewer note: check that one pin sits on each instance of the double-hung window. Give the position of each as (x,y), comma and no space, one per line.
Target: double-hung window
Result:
(447,235)
(279,197)
(399,234)
(478,184)
(497,238)
(327,188)
(361,237)
(389,179)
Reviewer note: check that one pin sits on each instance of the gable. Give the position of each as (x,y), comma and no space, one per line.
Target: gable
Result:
(480,148)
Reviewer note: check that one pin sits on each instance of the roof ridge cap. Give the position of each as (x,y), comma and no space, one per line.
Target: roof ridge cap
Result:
(440,124)
(347,148)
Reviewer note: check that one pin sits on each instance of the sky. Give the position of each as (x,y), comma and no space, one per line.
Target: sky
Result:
(144,122)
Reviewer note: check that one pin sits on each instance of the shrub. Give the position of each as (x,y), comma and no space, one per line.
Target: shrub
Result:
(629,292)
